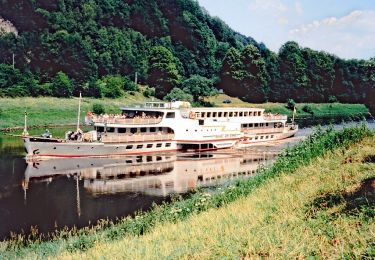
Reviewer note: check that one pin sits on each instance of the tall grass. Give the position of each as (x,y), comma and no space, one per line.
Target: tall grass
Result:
(319,143)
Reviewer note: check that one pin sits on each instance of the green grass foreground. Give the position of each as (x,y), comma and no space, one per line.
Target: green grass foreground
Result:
(47,111)
(221,222)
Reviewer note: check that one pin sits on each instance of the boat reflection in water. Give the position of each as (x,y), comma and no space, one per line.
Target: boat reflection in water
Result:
(78,192)
(155,175)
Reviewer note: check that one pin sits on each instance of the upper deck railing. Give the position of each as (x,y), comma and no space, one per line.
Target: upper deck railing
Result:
(274,117)
(127,121)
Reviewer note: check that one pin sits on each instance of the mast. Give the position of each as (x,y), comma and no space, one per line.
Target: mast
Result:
(294,112)
(25,133)
(79,110)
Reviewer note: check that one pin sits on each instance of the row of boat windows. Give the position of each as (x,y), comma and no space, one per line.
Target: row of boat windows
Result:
(225,176)
(141,146)
(134,130)
(255,125)
(227,114)
(261,137)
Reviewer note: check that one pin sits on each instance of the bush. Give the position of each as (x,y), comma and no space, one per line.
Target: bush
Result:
(130,85)
(178,94)
(308,109)
(149,92)
(98,109)
(112,86)
(62,86)
(290,104)
(332,99)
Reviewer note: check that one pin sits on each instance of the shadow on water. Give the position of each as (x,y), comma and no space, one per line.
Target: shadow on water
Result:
(52,194)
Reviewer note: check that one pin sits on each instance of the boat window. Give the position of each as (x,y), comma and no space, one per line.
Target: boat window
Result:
(259,113)
(266,124)
(220,114)
(271,136)
(208,114)
(159,145)
(133,130)
(201,122)
(140,146)
(241,113)
(170,131)
(261,137)
(225,114)
(158,158)
(235,114)
(171,115)
(250,113)
(256,125)
(214,114)
(168,145)
(246,113)
(149,145)
(149,158)
(266,136)
(152,129)
(143,130)
(110,130)
(230,114)
(128,147)
(100,129)
(256,137)
(121,130)
(251,125)
(203,114)
(160,129)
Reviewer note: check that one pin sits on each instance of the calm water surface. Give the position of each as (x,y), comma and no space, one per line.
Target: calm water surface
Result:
(56,193)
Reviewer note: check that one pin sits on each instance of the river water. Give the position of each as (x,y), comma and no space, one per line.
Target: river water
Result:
(52,194)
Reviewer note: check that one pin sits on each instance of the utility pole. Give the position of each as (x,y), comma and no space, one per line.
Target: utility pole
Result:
(13,60)
(136,78)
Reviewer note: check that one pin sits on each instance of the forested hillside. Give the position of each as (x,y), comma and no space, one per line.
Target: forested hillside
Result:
(96,46)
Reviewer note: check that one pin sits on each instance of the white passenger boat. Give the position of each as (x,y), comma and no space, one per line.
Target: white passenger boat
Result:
(164,127)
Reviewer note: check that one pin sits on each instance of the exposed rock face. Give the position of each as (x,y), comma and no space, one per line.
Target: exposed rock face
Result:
(7,27)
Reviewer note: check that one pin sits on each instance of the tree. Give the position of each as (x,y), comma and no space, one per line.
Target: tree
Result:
(163,73)
(255,75)
(198,87)
(293,71)
(178,94)
(62,86)
(232,73)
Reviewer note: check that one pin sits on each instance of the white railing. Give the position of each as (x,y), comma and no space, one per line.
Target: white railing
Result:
(124,138)
(262,130)
(274,117)
(128,121)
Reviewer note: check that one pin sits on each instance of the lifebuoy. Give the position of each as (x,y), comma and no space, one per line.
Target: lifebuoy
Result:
(192,115)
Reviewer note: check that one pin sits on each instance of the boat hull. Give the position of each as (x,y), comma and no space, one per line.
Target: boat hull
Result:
(45,149)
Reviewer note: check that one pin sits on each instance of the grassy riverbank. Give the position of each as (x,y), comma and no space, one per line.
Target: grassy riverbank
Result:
(55,111)
(243,219)
(325,210)
(59,111)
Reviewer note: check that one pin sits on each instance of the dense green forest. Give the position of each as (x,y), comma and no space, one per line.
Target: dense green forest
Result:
(96,46)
